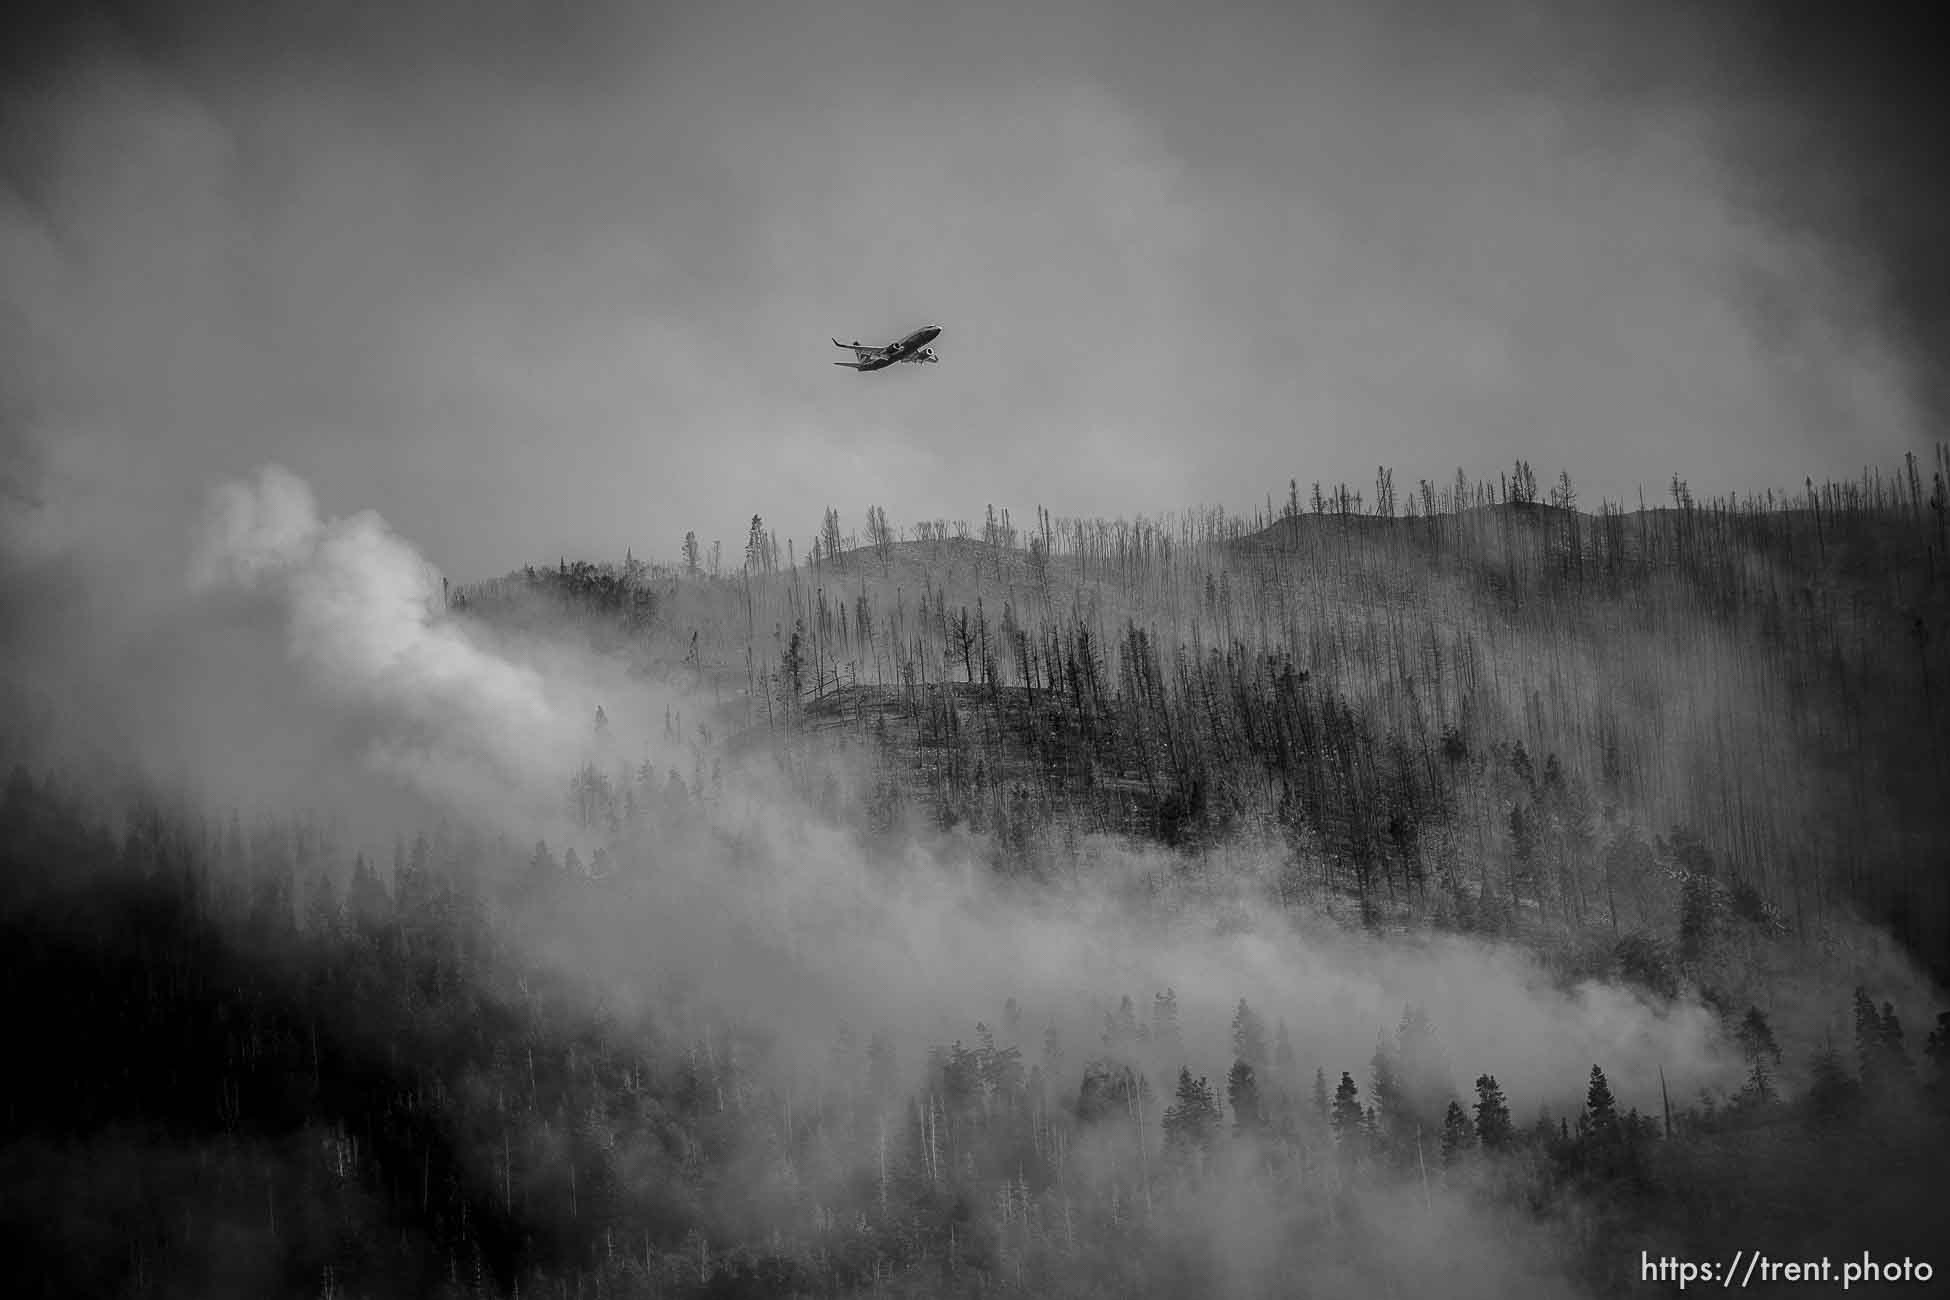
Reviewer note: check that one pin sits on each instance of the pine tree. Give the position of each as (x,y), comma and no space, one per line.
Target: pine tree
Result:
(1323,1112)
(1395,1126)
(1111,1088)
(1192,1121)
(1757,1045)
(541,863)
(1523,847)
(1000,1067)
(1457,1133)
(1698,918)
(1249,1036)
(1870,1058)
(1895,1057)
(1492,1114)
(1242,1094)
(1600,1108)
(1521,767)
(1936,1050)
(1347,1114)
(756,550)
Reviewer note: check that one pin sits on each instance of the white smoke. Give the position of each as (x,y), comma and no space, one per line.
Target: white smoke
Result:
(365,624)
(820,933)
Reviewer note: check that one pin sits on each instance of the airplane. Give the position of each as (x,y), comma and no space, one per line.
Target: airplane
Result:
(913,348)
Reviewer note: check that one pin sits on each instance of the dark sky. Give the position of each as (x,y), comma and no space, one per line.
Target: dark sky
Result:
(537,278)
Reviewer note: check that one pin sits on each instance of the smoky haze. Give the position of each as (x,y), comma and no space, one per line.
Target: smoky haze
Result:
(528,285)
(773,917)
(386,707)
(298,319)
(799,925)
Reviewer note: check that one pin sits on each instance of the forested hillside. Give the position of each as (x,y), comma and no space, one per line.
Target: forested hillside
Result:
(1490,709)
(1455,892)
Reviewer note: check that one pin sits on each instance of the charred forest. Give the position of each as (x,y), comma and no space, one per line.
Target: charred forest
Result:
(1458,889)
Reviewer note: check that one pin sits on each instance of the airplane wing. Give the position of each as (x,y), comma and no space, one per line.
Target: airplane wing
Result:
(860,351)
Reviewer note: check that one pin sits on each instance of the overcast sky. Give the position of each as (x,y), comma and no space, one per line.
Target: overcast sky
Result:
(534,279)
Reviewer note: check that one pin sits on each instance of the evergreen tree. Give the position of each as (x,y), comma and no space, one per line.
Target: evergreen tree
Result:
(1323,1112)
(1520,765)
(1249,1036)
(1698,918)
(1000,1068)
(1936,1050)
(1895,1057)
(1242,1094)
(1492,1114)
(1870,1057)
(1523,845)
(1641,958)
(1110,1089)
(1758,1046)
(1394,1122)
(1457,1133)
(756,550)
(1699,895)
(1600,1109)
(1192,1121)
(1347,1113)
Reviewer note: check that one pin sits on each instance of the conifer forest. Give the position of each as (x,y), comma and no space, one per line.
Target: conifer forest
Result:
(1456,888)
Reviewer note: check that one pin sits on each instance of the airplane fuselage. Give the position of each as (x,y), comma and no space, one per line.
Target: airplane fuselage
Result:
(914,342)
(914,347)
